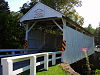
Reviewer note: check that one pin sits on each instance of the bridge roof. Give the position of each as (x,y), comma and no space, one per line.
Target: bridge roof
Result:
(40,11)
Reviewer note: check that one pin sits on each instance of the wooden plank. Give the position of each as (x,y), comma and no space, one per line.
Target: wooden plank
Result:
(21,70)
(50,60)
(58,57)
(39,63)
(33,63)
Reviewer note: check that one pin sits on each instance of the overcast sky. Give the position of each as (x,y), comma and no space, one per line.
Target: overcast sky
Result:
(90,10)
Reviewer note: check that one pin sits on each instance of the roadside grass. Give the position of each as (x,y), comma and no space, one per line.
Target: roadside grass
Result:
(97,72)
(53,70)
(98,51)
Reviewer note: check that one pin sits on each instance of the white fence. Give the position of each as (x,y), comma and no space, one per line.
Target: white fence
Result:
(7,63)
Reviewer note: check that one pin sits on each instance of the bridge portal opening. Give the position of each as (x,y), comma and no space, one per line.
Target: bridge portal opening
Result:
(45,36)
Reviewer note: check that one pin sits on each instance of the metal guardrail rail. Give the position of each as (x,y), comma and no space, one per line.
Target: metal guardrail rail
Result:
(12,52)
(96,49)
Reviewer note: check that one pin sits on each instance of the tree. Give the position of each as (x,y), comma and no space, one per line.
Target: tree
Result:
(90,29)
(4,6)
(4,12)
(97,35)
(64,6)
(95,32)
(15,32)
(11,33)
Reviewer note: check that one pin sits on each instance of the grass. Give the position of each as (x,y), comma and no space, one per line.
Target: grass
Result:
(54,70)
(98,51)
(97,72)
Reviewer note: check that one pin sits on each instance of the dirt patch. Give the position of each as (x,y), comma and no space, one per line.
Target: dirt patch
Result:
(67,68)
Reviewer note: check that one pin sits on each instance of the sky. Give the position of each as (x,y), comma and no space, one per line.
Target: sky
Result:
(90,10)
(16,4)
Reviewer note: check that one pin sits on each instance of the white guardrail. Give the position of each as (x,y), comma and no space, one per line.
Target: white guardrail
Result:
(7,63)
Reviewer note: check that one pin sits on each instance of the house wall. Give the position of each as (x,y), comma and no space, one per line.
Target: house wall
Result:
(75,42)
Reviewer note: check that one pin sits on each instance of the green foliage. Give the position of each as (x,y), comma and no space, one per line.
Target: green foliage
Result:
(15,33)
(97,35)
(4,6)
(64,6)
(95,32)
(4,12)
(11,33)
(90,29)
(97,72)
(54,70)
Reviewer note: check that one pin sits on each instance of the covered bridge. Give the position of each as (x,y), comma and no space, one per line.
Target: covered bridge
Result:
(46,28)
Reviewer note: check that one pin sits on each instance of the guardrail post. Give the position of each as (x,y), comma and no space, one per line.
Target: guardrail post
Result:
(25,52)
(46,61)
(53,59)
(33,65)
(7,66)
